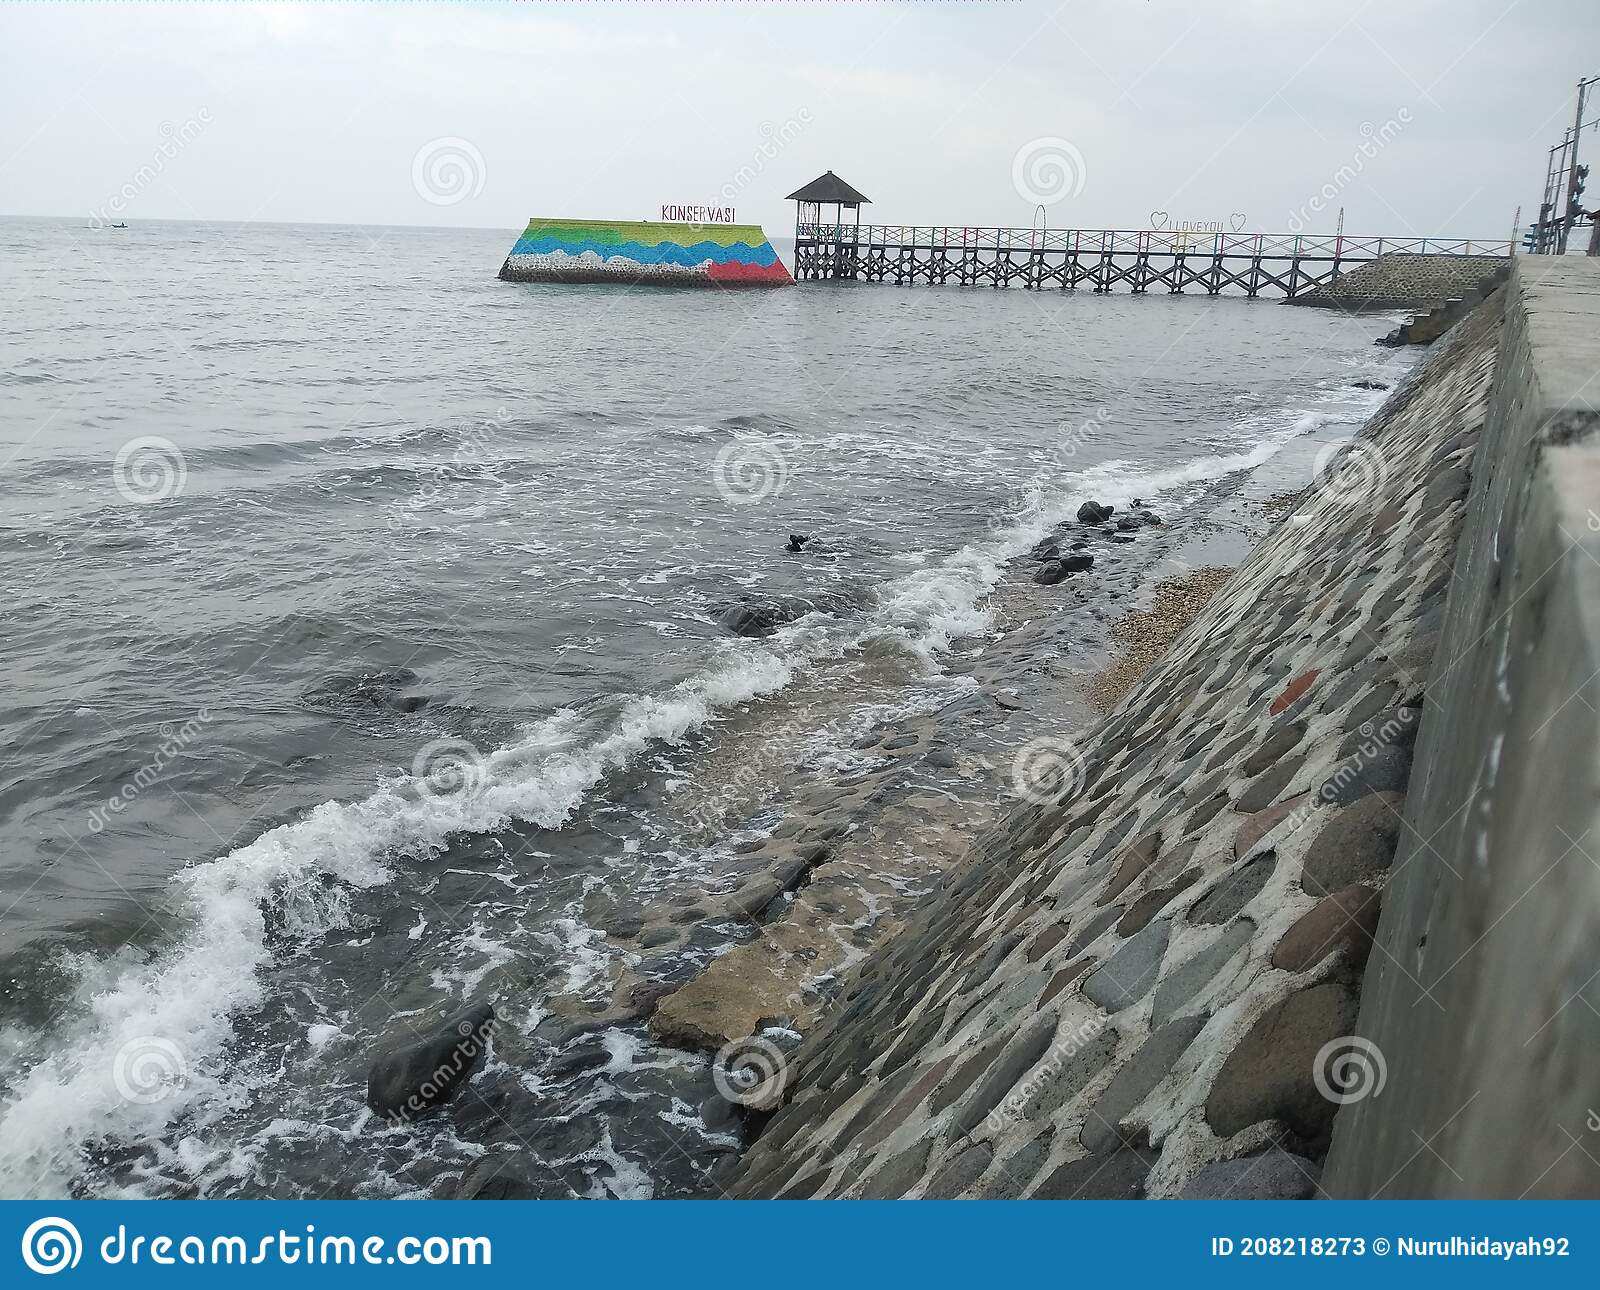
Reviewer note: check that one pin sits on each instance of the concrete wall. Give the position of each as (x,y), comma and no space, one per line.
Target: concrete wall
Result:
(1484,997)
(1406,282)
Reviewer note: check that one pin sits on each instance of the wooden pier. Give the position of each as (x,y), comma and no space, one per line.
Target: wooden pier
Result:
(1102,260)
(1135,260)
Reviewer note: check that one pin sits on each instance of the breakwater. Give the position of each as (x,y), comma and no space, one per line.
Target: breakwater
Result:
(1316,878)
(1406,281)
(642,253)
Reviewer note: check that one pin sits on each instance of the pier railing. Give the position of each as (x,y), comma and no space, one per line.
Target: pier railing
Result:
(1148,241)
(1212,260)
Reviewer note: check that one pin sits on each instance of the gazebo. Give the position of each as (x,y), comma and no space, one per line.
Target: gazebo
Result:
(826,190)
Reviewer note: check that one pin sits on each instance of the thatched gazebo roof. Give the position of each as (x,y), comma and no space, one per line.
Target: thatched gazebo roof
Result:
(829,189)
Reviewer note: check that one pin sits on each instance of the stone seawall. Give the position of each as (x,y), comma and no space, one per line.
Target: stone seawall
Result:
(1147,982)
(1407,282)
(1484,999)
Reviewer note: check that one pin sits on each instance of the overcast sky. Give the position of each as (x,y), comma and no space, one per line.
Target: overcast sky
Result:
(1418,118)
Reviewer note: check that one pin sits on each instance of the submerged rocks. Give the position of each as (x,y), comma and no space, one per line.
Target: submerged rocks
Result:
(755,617)
(1054,570)
(409,1082)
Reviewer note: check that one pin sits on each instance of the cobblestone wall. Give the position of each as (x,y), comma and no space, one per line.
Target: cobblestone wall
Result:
(1147,984)
(1406,282)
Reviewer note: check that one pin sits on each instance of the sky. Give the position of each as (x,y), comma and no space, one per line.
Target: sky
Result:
(1418,119)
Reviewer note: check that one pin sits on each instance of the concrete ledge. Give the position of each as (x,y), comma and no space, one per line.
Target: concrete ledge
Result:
(1484,1000)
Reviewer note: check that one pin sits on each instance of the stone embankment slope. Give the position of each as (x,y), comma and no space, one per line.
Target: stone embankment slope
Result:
(1147,982)
(1408,282)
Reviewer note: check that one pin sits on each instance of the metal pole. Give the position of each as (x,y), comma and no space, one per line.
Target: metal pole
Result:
(1568,219)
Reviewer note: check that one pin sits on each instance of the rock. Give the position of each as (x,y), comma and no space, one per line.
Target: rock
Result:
(1049,573)
(1077,563)
(1344,922)
(1271,1075)
(796,542)
(1273,1175)
(500,1177)
(1234,890)
(1294,690)
(1046,549)
(1257,827)
(1129,974)
(1116,1175)
(1128,523)
(409,1082)
(1136,1081)
(1094,513)
(1150,517)
(959,1172)
(762,616)
(1356,844)
(1280,741)
(1369,385)
(1263,791)
(725,1002)
(1385,771)
(1184,982)
(720,1115)
(1137,857)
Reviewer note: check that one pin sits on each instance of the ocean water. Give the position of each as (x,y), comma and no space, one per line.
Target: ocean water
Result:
(362,617)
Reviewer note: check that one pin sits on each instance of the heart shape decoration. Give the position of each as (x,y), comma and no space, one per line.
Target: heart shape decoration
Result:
(1158,219)
(1237,220)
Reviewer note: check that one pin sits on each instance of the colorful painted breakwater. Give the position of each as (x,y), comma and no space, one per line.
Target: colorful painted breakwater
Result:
(655,254)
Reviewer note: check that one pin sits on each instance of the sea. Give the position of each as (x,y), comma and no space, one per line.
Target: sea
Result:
(364,614)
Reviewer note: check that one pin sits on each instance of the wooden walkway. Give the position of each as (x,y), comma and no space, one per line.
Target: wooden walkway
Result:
(1104,260)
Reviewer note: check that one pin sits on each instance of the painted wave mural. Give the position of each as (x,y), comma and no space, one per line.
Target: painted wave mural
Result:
(575,250)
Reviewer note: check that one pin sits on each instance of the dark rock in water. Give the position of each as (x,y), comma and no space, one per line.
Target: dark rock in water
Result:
(498,1178)
(1046,549)
(796,541)
(1128,523)
(1149,517)
(409,1082)
(1369,385)
(763,617)
(720,1115)
(1077,563)
(1050,572)
(366,690)
(1094,513)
